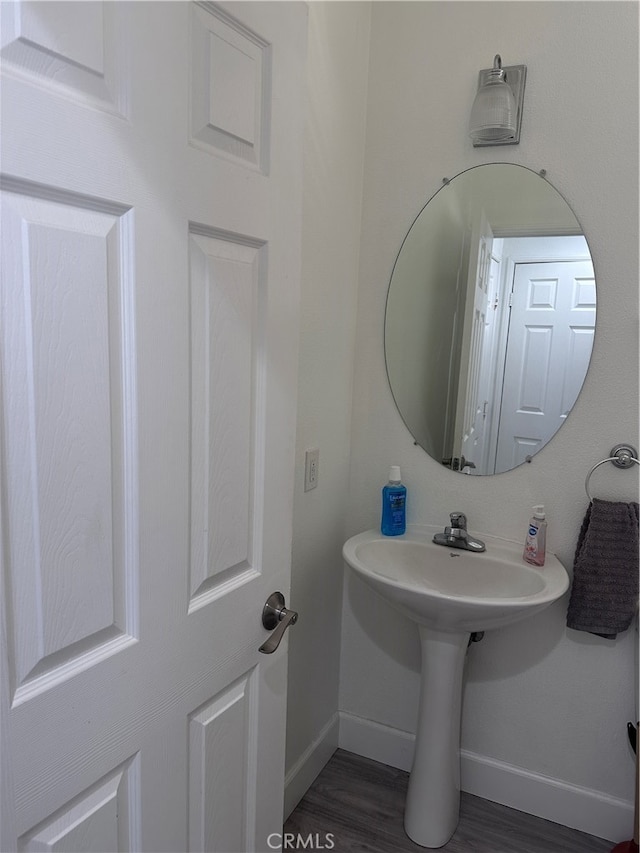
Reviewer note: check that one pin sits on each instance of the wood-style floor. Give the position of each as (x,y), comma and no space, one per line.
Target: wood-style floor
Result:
(361,803)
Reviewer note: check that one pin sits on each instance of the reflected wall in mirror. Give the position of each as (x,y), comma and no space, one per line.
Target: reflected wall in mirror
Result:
(490,319)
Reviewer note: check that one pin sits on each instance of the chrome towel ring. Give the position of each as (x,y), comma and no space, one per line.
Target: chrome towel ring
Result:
(622,456)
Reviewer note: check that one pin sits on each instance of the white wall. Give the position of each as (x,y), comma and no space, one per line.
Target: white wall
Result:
(538,696)
(333,171)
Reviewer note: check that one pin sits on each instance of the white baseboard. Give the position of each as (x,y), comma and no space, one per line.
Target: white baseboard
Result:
(299,779)
(570,805)
(376,741)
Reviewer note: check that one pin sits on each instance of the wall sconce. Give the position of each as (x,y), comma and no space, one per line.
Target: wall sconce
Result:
(496,114)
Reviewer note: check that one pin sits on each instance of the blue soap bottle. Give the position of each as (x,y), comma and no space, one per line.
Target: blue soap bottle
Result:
(394,503)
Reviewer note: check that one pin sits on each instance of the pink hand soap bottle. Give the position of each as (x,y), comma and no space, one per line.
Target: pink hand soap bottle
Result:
(536,540)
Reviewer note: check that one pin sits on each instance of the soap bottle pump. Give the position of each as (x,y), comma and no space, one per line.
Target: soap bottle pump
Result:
(394,499)
(536,539)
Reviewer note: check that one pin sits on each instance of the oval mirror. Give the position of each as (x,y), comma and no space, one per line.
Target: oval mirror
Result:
(490,319)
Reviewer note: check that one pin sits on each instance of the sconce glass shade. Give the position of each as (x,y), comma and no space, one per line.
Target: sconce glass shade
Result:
(497,109)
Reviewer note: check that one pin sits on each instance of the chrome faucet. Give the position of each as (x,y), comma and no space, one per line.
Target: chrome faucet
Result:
(456,536)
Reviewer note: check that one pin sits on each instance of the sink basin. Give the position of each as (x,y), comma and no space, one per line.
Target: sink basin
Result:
(451,589)
(450,593)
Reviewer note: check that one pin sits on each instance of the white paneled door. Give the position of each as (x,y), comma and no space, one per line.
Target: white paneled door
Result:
(151,197)
(551,331)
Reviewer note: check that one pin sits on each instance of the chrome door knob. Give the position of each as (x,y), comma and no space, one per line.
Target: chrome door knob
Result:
(276,616)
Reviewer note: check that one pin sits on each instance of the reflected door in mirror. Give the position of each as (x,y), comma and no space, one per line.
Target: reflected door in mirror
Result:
(551,329)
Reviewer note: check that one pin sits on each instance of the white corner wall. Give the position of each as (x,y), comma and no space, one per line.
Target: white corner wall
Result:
(333,172)
(545,708)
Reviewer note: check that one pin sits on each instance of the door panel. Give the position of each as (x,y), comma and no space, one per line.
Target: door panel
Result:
(151,157)
(67,434)
(100,818)
(230,80)
(222,782)
(72,50)
(227,410)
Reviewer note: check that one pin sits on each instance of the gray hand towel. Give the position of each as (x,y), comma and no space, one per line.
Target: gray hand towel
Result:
(604,592)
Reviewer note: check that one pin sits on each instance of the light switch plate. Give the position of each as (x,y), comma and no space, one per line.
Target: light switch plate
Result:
(311,464)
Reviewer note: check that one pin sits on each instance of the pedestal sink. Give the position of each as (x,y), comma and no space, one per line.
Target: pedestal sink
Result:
(450,593)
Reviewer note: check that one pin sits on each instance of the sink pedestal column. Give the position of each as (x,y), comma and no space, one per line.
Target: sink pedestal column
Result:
(433,798)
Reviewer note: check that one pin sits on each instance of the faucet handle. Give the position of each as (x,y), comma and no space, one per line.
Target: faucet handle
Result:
(459,520)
